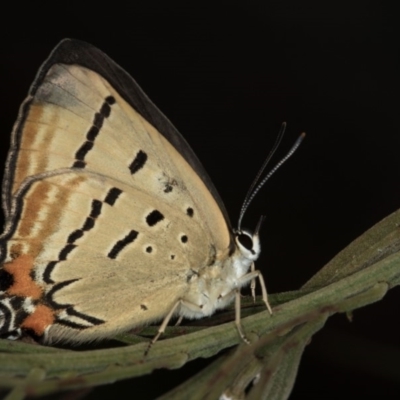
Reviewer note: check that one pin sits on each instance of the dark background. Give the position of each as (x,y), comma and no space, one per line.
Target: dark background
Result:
(227,76)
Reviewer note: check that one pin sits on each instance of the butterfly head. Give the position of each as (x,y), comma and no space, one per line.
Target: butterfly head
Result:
(248,244)
(247,250)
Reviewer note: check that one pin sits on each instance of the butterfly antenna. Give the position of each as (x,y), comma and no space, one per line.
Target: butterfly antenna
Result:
(249,197)
(259,224)
(265,163)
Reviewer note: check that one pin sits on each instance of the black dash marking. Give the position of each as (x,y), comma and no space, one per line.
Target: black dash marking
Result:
(99,119)
(143,307)
(96,208)
(48,270)
(93,132)
(154,217)
(6,280)
(83,150)
(105,110)
(74,236)
(56,288)
(95,211)
(112,196)
(88,318)
(65,251)
(89,224)
(79,164)
(184,239)
(110,100)
(138,162)
(190,212)
(149,249)
(129,238)
(172,256)
(71,324)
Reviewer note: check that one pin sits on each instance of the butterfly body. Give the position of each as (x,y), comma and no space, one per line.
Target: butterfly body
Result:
(111,222)
(214,286)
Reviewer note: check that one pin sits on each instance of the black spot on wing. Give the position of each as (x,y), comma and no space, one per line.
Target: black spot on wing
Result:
(190,212)
(110,100)
(112,196)
(154,218)
(184,239)
(121,244)
(138,162)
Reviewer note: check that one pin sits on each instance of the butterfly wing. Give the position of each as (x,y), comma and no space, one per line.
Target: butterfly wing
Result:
(108,211)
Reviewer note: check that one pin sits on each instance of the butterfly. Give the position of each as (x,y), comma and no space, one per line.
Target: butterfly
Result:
(111,222)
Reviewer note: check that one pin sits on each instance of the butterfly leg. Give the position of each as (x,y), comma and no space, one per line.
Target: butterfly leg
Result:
(252,276)
(164,324)
(168,317)
(238,320)
(179,320)
(238,310)
(253,284)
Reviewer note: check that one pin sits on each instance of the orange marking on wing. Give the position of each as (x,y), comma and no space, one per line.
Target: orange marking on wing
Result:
(50,195)
(32,206)
(27,157)
(39,320)
(23,285)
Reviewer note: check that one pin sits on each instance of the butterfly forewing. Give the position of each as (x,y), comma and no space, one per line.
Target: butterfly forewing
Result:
(107,219)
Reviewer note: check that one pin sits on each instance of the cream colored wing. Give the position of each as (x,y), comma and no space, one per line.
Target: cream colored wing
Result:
(108,211)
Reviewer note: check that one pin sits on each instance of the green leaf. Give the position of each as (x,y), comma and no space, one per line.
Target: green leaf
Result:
(359,275)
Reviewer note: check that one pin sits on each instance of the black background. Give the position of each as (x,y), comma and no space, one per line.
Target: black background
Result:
(227,76)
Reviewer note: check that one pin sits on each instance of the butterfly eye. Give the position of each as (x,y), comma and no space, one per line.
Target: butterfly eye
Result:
(245,240)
